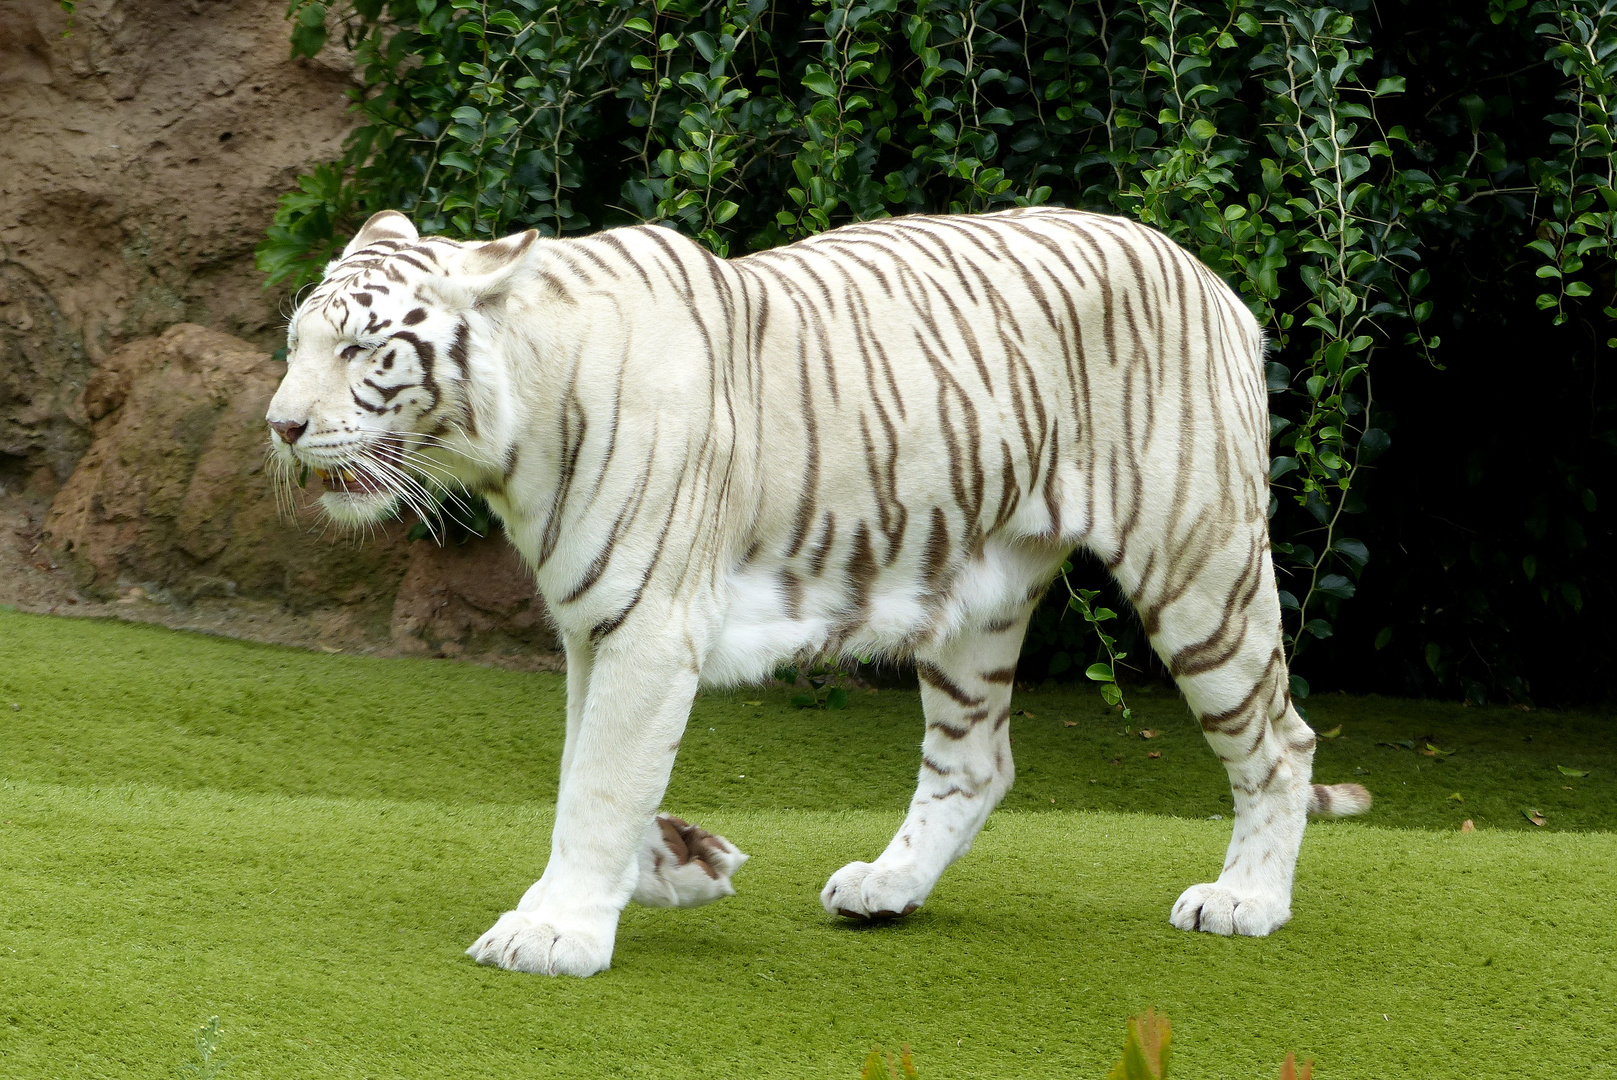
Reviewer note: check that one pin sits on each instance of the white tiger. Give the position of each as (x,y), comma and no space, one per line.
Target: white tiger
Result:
(880,440)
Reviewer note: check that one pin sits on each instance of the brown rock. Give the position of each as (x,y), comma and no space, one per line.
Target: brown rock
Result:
(173,498)
(173,493)
(475,596)
(145,144)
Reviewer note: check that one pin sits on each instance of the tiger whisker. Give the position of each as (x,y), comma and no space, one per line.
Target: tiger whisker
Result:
(407,488)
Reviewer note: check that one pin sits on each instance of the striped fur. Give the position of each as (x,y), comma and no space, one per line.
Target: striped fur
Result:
(881,440)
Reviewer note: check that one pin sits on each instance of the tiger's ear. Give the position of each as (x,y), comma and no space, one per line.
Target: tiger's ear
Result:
(386,225)
(485,274)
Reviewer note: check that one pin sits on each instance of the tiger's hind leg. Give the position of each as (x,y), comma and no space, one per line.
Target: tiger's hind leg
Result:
(966,769)
(1214,617)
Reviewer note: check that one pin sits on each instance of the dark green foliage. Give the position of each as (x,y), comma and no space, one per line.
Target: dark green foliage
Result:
(827,685)
(460,516)
(1269,137)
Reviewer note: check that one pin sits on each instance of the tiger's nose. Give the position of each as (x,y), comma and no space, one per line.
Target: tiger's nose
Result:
(289,430)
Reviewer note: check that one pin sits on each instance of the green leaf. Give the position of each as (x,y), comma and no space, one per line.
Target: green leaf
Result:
(820,83)
(638,25)
(456,160)
(1384,638)
(1392,85)
(1372,444)
(1111,693)
(1280,466)
(1578,773)
(1336,585)
(836,698)
(1353,550)
(1100,673)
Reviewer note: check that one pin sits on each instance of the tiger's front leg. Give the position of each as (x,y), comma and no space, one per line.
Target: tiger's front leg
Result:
(966,769)
(617,766)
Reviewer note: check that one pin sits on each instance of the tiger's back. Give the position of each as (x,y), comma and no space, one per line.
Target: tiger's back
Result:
(920,416)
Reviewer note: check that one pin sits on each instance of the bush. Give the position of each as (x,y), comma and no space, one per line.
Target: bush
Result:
(1266,136)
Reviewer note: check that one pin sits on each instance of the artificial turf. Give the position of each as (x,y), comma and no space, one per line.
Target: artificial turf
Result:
(303,844)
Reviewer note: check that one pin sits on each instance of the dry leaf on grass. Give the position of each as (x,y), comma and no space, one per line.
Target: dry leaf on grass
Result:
(1466,826)
(1148,733)
(1154,754)
(1069,723)
(1533,815)
(1456,797)
(1572,772)
(1331,734)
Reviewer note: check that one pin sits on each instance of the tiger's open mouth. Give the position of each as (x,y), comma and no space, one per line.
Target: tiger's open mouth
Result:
(354,481)
(367,476)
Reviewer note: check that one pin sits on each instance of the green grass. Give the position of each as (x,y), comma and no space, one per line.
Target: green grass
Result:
(303,844)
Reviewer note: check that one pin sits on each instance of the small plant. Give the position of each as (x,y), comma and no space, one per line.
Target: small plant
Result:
(1288,1069)
(827,682)
(1145,1049)
(209,1064)
(1083,602)
(903,1069)
(1145,1053)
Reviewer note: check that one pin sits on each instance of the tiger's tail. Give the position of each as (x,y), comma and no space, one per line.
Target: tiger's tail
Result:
(1338,800)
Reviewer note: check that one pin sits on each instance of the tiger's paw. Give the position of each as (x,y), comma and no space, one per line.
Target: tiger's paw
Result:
(863,891)
(1218,909)
(682,865)
(525,941)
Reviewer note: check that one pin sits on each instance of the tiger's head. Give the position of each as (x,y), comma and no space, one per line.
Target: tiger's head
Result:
(378,398)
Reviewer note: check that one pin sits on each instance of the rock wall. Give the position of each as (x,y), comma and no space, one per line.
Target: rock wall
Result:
(173,504)
(143,144)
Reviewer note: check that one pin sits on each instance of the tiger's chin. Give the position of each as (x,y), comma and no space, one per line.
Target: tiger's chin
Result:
(356,509)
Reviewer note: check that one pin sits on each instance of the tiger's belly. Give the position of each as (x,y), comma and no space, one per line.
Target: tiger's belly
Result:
(778,613)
